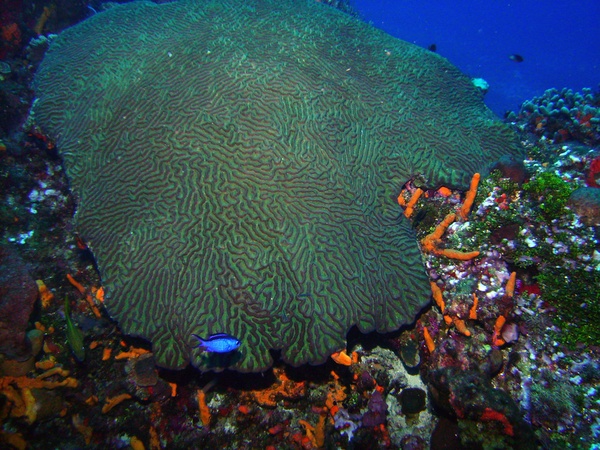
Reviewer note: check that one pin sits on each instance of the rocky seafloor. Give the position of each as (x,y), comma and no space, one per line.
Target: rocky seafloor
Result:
(506,356)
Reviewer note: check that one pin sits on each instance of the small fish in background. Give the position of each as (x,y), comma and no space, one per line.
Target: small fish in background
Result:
(74,334)
(218,343)
(516,58)
(432,48)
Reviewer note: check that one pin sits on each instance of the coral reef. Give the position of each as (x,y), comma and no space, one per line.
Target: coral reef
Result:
(266,212)
(506,357)
(562,115)
(515,368)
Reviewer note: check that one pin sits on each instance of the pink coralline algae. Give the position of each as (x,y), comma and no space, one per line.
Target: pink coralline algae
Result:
(593,176)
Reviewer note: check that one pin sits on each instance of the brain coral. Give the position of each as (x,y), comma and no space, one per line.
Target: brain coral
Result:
(237,163)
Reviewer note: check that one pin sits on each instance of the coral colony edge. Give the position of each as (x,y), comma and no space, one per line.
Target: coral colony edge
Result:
(260,224)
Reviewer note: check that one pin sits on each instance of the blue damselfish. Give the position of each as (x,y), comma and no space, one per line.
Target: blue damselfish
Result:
(218,343)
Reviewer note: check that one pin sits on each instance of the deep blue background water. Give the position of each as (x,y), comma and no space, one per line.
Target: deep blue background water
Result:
(559,41)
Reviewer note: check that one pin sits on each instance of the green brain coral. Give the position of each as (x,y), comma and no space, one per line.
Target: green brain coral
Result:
(237,164)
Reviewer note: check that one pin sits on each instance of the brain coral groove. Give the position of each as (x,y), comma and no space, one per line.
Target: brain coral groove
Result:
(236,165)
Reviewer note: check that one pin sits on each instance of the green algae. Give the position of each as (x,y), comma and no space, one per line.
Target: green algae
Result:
(572,293)
(551,194)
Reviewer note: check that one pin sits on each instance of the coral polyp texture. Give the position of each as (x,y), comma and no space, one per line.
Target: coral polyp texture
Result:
(237,165)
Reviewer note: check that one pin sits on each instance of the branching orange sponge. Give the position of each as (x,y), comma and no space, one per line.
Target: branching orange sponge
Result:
(461,326)
(428,340)
(83,291)
(342,358)
(496,339)
(473,310)
(470,197)
(203,407)
(410,206)
(114,401)
(429,242)
(510,285)
(457,254)
(437,296)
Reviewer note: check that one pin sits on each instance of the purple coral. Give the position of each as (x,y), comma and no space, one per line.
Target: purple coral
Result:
(377,411)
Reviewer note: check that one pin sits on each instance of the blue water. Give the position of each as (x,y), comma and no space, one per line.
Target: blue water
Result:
(559,41)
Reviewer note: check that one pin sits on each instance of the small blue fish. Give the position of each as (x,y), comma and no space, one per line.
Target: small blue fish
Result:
(218,343)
